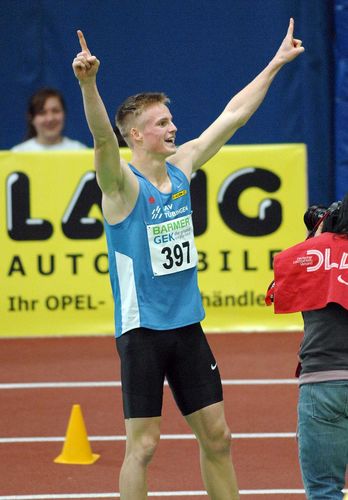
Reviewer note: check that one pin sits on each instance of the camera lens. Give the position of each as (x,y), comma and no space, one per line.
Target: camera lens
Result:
(313,216)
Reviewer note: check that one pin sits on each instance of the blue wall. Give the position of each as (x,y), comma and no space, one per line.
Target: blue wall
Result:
(200,52)
(341,97)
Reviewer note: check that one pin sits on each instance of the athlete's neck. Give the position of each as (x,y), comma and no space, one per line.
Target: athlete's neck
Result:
(154,169)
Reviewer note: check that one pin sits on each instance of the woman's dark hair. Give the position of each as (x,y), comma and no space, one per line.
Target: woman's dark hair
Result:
(36,104)
(337,222)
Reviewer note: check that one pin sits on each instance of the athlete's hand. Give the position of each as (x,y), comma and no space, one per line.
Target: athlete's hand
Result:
(85,65)
(290,47)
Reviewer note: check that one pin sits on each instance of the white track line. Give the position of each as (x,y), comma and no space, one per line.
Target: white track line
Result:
(65,385)
(53,439)
(150,494)
(58,385)
(161,494)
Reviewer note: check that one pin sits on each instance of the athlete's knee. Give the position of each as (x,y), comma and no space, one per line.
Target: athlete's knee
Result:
(217,442)
(143,450)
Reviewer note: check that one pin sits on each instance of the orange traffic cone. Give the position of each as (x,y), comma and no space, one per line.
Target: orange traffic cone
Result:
(76,448)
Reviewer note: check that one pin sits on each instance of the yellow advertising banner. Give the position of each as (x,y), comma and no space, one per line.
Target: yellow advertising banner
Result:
(257,196)
(248,204)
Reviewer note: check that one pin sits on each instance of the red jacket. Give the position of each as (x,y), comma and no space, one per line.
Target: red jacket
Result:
(311,274)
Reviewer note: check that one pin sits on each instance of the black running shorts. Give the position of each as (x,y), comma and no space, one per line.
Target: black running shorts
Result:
(182,356)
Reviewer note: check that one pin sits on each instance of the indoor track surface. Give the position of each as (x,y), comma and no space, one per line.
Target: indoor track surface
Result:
(42,378)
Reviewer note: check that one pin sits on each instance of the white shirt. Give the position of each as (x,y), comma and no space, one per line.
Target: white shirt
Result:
(33,145)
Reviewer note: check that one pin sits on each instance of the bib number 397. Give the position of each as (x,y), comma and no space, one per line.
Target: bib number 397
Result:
(172,247)
(176,255)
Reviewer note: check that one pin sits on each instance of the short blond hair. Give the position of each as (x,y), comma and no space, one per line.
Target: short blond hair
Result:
(133,106)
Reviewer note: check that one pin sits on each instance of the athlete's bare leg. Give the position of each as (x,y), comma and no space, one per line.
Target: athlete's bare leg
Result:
(214,437)
(143,435)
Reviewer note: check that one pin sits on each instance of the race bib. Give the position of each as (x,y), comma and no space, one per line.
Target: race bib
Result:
(172,246)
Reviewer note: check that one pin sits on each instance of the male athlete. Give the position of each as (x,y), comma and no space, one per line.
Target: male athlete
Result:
(152,260)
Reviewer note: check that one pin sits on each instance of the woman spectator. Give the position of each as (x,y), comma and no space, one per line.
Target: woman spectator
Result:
(45,123)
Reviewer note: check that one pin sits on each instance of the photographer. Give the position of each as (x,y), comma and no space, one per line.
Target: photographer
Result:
(312,278)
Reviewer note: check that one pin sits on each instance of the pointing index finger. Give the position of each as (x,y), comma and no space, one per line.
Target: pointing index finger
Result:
(83,42)
(291,27)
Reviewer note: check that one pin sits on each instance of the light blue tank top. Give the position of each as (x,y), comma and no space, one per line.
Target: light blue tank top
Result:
(152,259)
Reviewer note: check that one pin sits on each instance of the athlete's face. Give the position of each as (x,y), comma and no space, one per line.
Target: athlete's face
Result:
(49,122)
(156,130)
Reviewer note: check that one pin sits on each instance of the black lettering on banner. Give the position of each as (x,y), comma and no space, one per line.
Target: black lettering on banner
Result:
(269,215)
(40,265)
(202,261)
(225,262)
(52,303)
(199,201)
(97,265)
(76,223)
(16,266)
(246,298)
(74,257)
(247,266)
(19,303)
(20,225)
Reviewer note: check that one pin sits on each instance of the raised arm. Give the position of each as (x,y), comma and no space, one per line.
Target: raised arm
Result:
(242,106)
(107,159)
(114,177)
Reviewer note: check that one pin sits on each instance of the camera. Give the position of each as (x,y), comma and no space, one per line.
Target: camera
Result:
(317,213)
